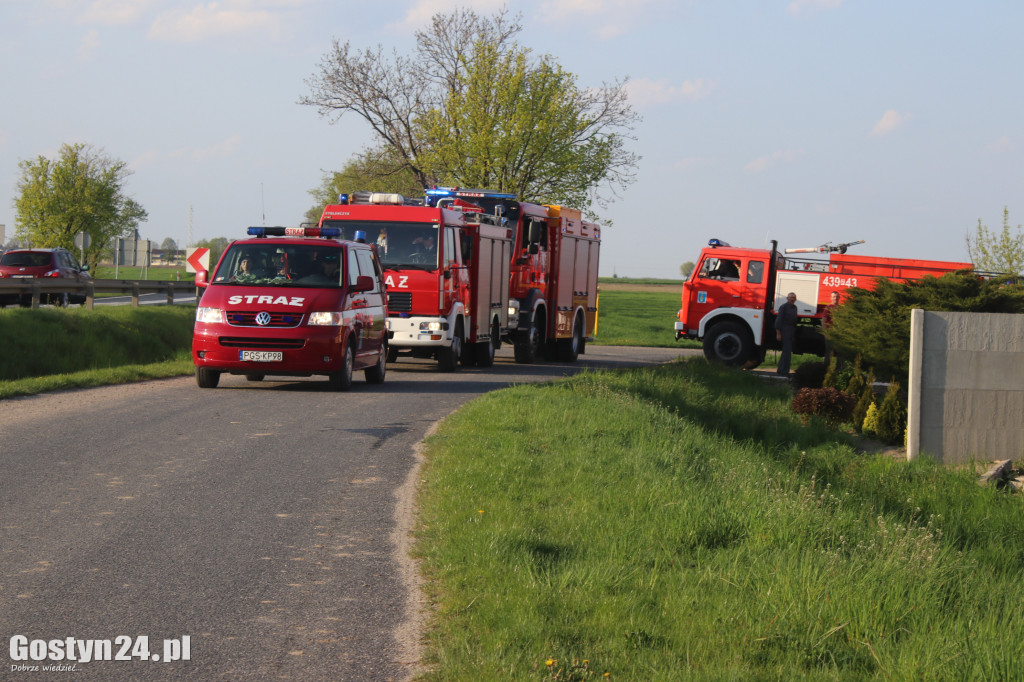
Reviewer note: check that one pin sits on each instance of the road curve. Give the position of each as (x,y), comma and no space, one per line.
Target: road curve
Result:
(267,522)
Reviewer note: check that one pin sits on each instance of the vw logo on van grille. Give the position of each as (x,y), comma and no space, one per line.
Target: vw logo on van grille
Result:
(263,319)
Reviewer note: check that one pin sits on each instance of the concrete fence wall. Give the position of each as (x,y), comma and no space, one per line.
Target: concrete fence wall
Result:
(966,393)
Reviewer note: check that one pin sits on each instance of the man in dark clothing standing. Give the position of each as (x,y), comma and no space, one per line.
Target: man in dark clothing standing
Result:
(785,330)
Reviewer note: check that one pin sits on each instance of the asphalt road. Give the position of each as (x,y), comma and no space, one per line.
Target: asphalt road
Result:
(264,522)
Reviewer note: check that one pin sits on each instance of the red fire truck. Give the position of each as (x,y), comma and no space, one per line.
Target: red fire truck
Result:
(446,269)
(731,298)
(554,265)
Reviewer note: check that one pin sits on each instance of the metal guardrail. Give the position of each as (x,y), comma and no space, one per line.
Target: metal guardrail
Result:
(41,285)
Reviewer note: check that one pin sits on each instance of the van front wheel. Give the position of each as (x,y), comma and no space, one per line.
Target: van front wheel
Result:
(207,378)
(342,379)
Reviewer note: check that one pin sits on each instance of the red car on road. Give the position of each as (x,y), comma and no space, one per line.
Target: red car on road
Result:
(35,263)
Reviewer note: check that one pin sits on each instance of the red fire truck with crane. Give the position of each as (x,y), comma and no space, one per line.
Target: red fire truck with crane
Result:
(731,298)
(446,271)
(554,267)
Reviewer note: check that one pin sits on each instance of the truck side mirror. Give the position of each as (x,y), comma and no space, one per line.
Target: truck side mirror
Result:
(533,234)
(363,283)
(534,247)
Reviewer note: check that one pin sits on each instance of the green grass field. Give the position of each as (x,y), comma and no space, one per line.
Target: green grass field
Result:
(679,523)
(638,318)
(160,273)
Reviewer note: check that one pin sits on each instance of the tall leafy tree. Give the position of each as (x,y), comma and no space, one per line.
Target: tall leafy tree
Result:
(522,125)
(374,170)
(217,246)
(876,323)
(169,247)
(1002,252)
(82,190)
(472,107)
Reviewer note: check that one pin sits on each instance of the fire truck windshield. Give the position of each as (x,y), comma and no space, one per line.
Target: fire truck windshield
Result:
(401,245)
(317,264)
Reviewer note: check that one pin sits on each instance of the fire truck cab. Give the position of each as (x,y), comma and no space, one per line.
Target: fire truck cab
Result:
(446,271)
(292,302)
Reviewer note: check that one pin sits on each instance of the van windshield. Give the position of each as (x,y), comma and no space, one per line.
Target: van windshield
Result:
(400,245)
(281,265)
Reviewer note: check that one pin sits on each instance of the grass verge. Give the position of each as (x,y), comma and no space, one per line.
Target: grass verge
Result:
(57,348)
(679,523)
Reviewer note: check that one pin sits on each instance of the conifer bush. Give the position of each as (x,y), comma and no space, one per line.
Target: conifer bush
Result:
(870,425)
(865,402)
(855,383)
(892,416)
(831,374)
(876,322)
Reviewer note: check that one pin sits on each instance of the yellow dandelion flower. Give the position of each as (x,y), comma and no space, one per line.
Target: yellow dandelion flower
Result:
(550,662)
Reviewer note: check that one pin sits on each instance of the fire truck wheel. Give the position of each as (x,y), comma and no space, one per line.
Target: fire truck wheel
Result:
(342,379)
(375,374)
(729,343)
(484,354)
(392,354)
(569,349)
(468,357)
(207,378)
(448,358)
(529,344)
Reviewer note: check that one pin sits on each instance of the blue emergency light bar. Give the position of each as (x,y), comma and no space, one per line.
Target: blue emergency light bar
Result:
(717,242)
(435,193)
(325,232)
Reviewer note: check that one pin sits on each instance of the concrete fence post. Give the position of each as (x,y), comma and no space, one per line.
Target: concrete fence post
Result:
(914,389)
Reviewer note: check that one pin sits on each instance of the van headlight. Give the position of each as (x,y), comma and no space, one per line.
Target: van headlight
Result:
(209,315)
(325,319)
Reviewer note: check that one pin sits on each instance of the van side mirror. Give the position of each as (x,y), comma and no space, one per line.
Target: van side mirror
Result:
(363,283)
(201,276)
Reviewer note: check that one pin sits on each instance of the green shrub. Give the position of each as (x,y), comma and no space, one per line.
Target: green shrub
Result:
(870,426)
(876,322)
(809,375)
(832,405)
(892,416)
(831,374)
(855,380)
(864,403)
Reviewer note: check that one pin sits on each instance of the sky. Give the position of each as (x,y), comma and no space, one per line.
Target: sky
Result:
(803,121)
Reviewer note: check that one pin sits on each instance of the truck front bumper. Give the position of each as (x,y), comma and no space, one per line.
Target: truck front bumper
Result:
(418,332)
(682,332)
